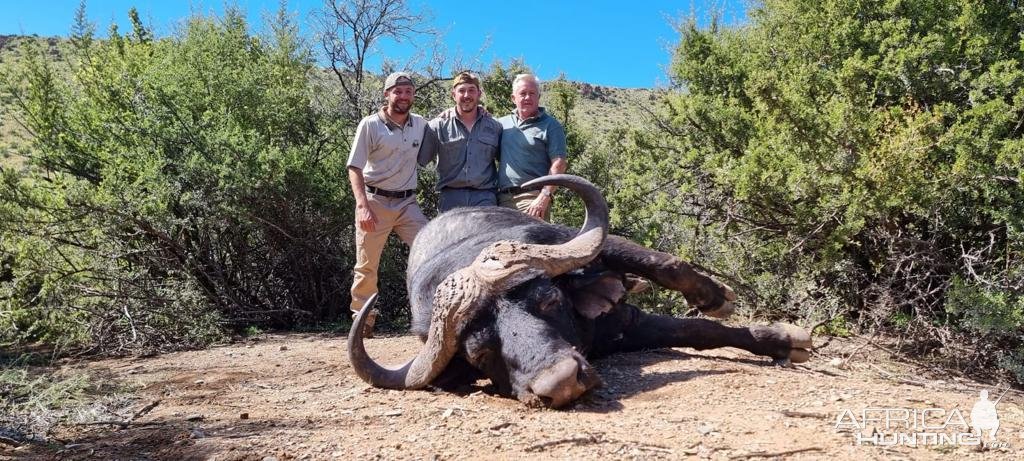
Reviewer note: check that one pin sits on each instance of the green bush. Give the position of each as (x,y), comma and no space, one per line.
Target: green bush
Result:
(861,159)
(183,187)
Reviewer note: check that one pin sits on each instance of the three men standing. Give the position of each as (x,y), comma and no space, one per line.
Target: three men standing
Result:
(389,144)
(382,172)
(465,146)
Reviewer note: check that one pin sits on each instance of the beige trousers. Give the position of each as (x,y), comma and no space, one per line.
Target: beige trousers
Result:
(522,201)
(401,215)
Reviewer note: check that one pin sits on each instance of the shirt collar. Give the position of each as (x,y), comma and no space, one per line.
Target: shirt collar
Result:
(479,115)
(387,120)
(541,113)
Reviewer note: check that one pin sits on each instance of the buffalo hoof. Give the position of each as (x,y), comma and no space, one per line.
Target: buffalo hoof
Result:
(727,308)
(636,284)
(799,342)
(729,294)
(721,312)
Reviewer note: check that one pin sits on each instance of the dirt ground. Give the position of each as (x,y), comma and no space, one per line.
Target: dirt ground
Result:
(294,396)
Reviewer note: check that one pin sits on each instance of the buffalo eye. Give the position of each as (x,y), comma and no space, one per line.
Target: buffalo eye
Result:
(550,301)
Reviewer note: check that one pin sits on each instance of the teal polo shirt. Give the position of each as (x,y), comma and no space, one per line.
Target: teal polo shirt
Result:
(528,147)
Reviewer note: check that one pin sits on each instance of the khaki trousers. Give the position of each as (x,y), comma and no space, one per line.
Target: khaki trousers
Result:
(401,215)
(522,201)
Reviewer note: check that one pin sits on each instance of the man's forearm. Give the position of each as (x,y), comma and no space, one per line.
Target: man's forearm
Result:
(558,166)
(428,148)
(355,178)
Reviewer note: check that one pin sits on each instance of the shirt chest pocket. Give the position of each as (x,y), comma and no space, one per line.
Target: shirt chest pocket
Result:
(452,146)
(488,138)
(535,136)
(487,144)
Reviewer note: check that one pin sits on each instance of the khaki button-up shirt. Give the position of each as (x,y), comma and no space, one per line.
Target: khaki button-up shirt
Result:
(387,152)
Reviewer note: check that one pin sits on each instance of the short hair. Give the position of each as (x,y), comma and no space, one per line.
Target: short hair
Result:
(526,78)
(466,77)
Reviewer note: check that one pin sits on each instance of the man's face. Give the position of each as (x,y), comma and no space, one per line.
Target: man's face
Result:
(400,98)
(526,97)
(466,96)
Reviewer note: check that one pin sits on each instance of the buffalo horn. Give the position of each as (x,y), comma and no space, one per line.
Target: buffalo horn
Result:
(498,268)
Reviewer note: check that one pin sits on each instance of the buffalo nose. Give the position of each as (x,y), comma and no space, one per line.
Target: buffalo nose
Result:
(563,382)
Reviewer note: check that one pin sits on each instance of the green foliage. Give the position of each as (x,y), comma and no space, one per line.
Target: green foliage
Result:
(497,84)
(985,309)
(251,331)
(560,98)
(854,157)
(23,390)
(181,186)
(837,326)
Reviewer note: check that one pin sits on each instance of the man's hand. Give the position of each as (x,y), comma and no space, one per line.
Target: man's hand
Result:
(366,219)
(539,206)
(364,216)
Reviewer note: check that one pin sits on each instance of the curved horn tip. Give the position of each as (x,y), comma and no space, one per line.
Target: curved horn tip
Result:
(360,319)
(356,349)
(594,201)
(414,374)
(558,180)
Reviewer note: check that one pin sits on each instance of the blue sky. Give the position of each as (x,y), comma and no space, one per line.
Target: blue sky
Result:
(614,43)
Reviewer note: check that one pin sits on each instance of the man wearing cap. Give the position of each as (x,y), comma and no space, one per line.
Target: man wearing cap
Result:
(532,145)
(464,143)
(382,172)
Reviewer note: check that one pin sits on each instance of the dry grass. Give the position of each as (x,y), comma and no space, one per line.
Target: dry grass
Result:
(14,139)
(36,399)
(14,142)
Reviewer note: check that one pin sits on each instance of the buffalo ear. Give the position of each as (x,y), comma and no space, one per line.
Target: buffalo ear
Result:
(595,294)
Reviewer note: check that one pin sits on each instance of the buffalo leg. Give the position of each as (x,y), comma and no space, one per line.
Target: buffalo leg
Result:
(707,294)
(633,329)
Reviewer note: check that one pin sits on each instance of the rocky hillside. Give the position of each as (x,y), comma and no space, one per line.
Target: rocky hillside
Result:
(602,108)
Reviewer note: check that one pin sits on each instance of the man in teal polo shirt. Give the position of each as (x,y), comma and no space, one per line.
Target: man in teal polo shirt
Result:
(532,145)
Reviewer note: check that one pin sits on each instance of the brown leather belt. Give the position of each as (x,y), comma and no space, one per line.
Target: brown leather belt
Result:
(510,190)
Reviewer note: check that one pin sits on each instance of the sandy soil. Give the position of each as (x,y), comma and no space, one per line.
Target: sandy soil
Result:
(295,397)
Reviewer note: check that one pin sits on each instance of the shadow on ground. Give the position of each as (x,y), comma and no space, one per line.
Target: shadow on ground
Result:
(162,439)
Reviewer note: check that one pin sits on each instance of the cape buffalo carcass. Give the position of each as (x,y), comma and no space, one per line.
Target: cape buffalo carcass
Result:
(498,294)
